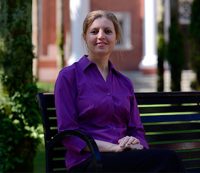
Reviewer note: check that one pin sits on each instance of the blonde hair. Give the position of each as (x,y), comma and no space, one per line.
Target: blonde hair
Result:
(93,15)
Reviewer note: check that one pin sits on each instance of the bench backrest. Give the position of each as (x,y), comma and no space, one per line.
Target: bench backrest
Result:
(171,120)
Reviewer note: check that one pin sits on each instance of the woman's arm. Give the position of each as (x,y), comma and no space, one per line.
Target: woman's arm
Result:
(124,144)
(135,126)
(65,101)
(107,146)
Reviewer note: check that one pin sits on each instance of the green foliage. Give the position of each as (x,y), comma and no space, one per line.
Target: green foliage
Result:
(175,55)
(45,86)
(20,137)
(195,40)
(19,113)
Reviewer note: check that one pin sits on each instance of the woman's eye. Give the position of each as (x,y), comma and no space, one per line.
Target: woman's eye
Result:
(94,32)
(108,31)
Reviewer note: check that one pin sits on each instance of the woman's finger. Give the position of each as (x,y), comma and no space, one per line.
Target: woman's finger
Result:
(128,140)
(135,141)
(136,147)
(123,141)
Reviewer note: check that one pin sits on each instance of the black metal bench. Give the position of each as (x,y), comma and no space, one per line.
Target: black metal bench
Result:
(171,120)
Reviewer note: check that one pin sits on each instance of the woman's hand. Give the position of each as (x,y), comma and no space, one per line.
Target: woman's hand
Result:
(136,147)
(130,142)
(108,147)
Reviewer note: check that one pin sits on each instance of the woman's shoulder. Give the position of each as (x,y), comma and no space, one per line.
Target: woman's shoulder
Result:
(124,78)
(68,69)
(71,69)
(67,72)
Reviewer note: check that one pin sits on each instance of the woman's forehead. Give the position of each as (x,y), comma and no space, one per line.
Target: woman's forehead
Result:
(102,22)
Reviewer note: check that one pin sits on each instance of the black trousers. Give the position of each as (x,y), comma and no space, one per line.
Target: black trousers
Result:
(149,161)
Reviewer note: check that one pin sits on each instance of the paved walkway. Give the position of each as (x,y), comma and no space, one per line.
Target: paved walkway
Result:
(148,83)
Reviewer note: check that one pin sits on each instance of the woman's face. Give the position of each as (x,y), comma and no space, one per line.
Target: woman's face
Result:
(100,37)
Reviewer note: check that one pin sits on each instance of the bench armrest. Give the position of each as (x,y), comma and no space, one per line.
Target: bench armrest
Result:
(88,139)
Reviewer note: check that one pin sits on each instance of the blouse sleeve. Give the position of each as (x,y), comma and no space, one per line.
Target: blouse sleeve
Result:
(135,127)
(65,102)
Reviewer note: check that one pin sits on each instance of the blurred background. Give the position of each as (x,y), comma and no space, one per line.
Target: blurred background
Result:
(57,29)
(160,51)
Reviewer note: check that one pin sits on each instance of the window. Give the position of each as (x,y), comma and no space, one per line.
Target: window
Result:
(125,22)
(184,11)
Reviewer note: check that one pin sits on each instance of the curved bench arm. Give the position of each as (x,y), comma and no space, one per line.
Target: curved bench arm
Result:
(88,139)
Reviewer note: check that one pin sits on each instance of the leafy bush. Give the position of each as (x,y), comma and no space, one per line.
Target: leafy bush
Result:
(20,136)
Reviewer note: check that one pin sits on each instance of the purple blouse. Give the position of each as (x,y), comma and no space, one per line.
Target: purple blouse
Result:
(106,110)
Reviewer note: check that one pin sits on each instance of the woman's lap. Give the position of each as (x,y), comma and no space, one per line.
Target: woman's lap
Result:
(152,160)
(141,161)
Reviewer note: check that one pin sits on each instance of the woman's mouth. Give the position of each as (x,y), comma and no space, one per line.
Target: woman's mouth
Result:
(101,43)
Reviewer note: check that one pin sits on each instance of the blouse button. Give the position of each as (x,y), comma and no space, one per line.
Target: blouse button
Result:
(108,94)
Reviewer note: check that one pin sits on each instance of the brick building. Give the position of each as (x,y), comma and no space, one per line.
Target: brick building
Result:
(126,56)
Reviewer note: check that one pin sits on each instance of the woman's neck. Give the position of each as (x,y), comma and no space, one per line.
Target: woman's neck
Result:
(102,64)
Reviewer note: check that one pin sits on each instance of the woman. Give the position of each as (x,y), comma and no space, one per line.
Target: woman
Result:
(92,96)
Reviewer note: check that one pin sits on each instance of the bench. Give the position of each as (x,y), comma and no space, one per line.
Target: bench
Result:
(171,120)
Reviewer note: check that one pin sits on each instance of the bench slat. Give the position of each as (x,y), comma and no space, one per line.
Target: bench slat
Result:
(168,108)
(167,97)
(59,165)
(178,146)
(192,164)
(174,137)
(170,118)
(49,100)
(160,127)
(190,154)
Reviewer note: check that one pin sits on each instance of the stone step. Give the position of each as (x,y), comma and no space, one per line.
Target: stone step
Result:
(148,83)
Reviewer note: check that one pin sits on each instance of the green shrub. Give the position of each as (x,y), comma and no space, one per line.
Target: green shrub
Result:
(20,136)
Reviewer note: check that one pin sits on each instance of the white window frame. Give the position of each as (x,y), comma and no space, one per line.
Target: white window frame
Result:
(125,20)
(184,16)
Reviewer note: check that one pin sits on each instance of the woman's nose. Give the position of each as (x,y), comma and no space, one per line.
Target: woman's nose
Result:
(101,34)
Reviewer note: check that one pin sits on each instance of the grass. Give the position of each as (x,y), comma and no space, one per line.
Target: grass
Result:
(45,86)
(39,161)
